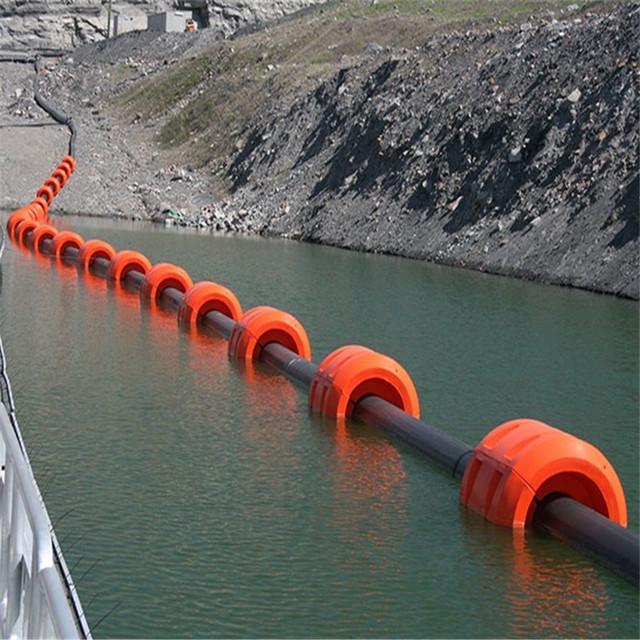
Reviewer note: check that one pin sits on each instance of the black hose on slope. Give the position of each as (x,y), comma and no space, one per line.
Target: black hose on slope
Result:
(57,115)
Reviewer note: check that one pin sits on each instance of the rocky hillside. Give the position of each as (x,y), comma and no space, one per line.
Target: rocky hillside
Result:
(513,151)
(61,24)
(501,137)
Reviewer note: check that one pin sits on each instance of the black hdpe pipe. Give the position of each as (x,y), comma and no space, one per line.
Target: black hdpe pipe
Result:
(58,116)
(563,518)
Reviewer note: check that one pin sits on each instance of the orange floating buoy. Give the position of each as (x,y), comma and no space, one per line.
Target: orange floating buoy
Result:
(161,276)
(36,211)
(54,185)
(522,462)
(93,249)
(42,233)
(204,297)
(71,161)
(65,169)
(23,228)
(18,216)
(42,208)
(351,372)
(46,193)
(61,176)
(260,326)
(125,261)
(63,240)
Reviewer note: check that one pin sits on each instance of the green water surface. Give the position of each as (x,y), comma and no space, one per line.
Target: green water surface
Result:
(200,498)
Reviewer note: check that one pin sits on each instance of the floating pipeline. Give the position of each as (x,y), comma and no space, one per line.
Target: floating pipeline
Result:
(523,473)
(37,211)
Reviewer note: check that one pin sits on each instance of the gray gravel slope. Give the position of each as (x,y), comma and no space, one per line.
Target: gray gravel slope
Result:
(512,151)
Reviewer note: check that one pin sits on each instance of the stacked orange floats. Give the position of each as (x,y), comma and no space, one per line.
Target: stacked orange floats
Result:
(38,209)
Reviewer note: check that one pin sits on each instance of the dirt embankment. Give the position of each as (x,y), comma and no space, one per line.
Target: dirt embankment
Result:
(509,149)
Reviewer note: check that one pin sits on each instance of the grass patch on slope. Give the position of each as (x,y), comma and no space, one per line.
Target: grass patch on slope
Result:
(205,101)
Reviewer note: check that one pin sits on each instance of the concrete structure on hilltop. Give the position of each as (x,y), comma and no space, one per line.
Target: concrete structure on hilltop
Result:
(168,21)
(59,24)
(125,22)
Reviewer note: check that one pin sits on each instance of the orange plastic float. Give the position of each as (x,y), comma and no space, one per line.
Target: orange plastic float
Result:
(516,467)
(46,193)
(125,261)
(522,462)
(23,228)
(161,276)
(40,204)
(63,240)
(36,211)
(93,249)
(70,161)
(350,373)
(61,176)
(65,169)
(260,326)
(18,216)
(54,185)
(204,297)
(42,233)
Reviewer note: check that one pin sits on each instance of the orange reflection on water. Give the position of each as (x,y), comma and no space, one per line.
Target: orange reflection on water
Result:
(370,505)
(127,304)
(539,586)
(23,248)
(372,465)
(65,271)
(42,259)
(92,279)
(208,366)
(163,324)
(272,417)
(558,597)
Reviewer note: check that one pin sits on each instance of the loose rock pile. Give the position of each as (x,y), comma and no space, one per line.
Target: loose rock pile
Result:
(512,150)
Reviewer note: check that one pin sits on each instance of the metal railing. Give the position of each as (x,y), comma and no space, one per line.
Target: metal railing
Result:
(37,596)
(33,598)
